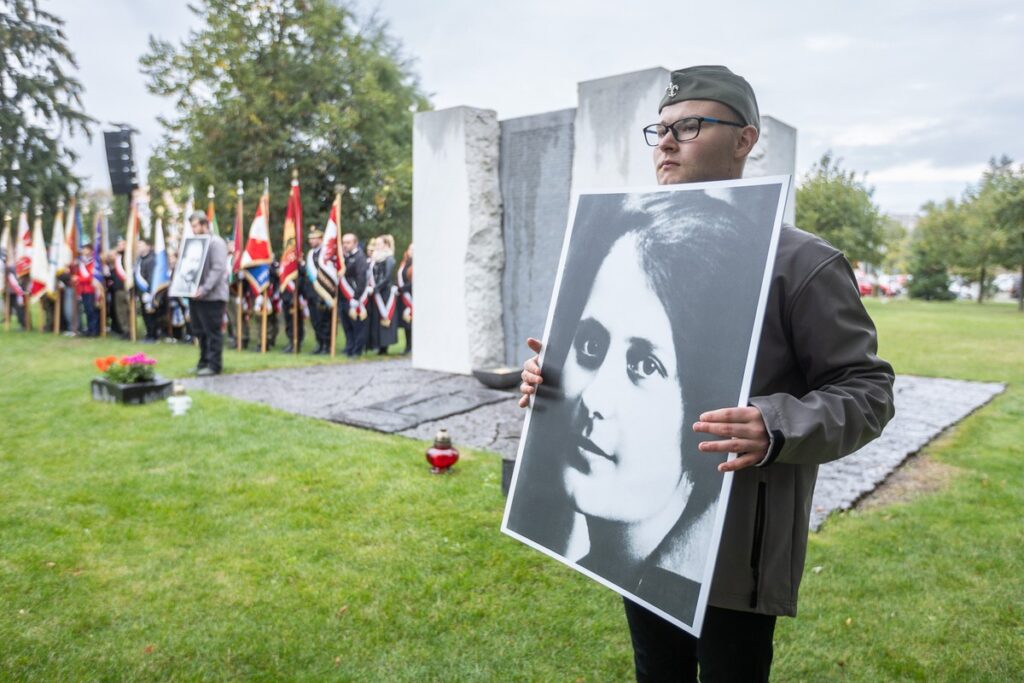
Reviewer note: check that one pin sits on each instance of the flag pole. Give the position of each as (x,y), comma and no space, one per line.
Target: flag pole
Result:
(57,298)
(103,259)
(266,293)
(239,191)
(132,322)
(338,189)
(7,259)
(73,316)
(298,276)
(28,297)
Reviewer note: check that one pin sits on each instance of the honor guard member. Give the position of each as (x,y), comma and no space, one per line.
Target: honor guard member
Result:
(353,289)
(273,299)
(819,392)
(319,310)
(291,298)
(404,314)
(151,312)
(237,294)
(384,302)
(85,288)
(118,294)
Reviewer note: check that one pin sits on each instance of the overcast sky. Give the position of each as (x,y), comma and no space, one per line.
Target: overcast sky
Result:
(918,94)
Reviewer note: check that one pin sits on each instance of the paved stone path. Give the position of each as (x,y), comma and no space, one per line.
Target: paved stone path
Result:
(925,407)
(392,396)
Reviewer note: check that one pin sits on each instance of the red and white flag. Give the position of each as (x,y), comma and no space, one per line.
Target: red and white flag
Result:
(23,247)
(39,271)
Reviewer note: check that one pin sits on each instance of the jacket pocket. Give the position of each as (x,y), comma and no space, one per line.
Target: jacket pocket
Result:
(755,546)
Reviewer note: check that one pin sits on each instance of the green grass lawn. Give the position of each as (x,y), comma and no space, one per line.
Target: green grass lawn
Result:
(241,543)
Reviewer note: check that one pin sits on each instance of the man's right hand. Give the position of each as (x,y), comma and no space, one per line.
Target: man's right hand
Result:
(531,373)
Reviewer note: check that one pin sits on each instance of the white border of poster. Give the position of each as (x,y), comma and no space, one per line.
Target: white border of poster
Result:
(180,287)
(723,237)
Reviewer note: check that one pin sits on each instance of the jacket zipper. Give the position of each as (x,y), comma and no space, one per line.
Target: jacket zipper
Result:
(755,549)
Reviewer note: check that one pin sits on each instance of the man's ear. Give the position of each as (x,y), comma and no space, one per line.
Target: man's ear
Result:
(745,141)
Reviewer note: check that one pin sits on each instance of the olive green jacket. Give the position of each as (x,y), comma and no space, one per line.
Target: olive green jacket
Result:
(823,393)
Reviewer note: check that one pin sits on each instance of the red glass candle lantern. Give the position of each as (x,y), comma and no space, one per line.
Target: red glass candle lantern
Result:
(442,455)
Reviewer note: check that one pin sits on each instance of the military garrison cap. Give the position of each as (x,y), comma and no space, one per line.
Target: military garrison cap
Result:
(716,83)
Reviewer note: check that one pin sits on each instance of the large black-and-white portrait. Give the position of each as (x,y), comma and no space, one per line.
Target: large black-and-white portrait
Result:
(189,270)
(654,319)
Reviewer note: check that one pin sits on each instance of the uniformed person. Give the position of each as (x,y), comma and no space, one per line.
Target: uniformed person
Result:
(319,310)
(353,294)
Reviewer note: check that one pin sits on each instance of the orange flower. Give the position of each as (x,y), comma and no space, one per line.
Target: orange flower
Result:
(104,363)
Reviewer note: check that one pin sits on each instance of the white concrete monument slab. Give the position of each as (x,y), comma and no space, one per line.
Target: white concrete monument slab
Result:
(775,154)
(609,146)
(456,224)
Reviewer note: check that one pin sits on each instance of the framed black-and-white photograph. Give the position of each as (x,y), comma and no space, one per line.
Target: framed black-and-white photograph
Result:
(191,259)
(655,318)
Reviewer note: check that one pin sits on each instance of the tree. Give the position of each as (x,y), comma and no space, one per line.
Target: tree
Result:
(263,88)
(40,106)
(895,247)
(832,203)
(984,240)
(1008,213)
(932,247)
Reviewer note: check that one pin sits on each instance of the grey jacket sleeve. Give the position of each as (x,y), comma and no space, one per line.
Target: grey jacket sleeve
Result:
(213,286)
(850,399)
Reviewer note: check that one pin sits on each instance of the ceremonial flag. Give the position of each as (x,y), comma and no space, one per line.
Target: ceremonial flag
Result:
(190,208)
(257,257)
(291,251)
(8,283)
(53,253)
(10,277)
(104,244)
(211,213)
(239,239)
(161,278)
(67,249)
(125,265)
(23,249)
(330,264)
(99,244)
(5,238)
(39,271)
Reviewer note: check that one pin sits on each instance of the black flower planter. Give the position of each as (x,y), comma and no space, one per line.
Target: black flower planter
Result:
(131,394)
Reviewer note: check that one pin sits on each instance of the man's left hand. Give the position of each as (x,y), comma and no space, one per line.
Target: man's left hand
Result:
(744,434)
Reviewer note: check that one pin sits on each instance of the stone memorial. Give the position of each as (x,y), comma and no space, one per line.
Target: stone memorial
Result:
(491,202)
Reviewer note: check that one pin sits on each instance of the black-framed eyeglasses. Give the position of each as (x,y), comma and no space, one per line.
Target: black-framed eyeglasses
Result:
(683,130)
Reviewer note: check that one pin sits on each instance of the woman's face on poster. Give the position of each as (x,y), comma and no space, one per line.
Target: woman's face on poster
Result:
(621,376)
(191,261)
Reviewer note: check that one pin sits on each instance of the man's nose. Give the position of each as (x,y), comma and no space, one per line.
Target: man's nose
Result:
(668,143)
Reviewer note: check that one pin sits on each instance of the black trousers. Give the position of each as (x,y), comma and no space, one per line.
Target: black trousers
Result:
(286,311)
(153,320)
(733,646)
(207,317)
(92,315)
(355,333)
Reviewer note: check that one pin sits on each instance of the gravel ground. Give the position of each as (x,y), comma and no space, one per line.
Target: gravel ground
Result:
(394,397)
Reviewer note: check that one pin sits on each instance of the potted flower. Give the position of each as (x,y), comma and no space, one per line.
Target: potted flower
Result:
(131,380)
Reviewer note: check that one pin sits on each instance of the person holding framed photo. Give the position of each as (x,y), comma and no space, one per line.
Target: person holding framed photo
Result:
(210,298)
(819,392)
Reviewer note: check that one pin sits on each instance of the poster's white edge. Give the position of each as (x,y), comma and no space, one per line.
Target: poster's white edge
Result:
(784,181)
